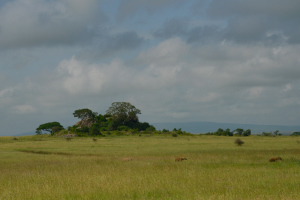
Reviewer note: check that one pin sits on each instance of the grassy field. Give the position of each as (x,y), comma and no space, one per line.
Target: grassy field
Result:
(43,167)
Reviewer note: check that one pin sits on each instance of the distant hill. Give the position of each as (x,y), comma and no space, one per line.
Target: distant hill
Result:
(204,127)
(27,133)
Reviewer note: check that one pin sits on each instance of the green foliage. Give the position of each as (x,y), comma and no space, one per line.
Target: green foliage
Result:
(239,131)
(94,130)
(296,134)
(141,126)
(227,132)
(247,132)
(123,128)
(150,128)
(221,132)
(165,131)
(83,129)
(84,114)
(266,134)
(49,127)
(121,116)
(56,129)
(122,113)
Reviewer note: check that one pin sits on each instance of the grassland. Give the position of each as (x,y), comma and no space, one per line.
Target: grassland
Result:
(43,167)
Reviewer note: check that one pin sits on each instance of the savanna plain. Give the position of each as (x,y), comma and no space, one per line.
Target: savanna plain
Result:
(144,167)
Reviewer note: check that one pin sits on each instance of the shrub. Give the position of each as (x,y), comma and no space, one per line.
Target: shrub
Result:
(266,134)
(83,129)
(123,128)
(119,133)
(174,135)
(239,142)
(165,131)
(94,130)
(56,129)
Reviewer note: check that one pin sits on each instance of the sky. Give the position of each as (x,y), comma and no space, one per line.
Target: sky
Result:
(226,61)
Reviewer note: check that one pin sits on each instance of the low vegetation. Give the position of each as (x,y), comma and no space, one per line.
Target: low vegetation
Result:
(139,167)
(238,142)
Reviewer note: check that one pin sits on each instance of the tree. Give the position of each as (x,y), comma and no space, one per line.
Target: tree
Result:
(247,132)
(84,114)
(50,126)
(56,129)
(123,113)
(219,131)
(276,132)
(239,131)
(227,132)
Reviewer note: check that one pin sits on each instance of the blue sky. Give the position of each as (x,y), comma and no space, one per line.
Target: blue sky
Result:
(176,60)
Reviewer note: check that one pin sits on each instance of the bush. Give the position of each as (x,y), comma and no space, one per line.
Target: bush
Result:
(151,128)
(119,133)
(83,129)
(56,129)
(266,134)
(165,131)
(174,135)
(123,128)
(239,142)
(94,130)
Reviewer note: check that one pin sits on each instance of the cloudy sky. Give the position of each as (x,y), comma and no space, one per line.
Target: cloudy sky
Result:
(176,60)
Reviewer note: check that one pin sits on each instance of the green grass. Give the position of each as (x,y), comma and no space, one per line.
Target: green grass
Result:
(43,167)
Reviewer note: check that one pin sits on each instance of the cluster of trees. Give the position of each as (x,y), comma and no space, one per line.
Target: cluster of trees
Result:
(275,133)
(119,116)
(227,132)
(295,134)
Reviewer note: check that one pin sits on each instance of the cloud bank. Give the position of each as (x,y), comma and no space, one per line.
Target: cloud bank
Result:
(220,61)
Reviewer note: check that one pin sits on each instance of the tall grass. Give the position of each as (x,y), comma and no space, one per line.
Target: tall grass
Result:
(41,167)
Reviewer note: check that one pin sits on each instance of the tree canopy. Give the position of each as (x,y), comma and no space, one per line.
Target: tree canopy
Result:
(84,114)
(50,127)
(123,113)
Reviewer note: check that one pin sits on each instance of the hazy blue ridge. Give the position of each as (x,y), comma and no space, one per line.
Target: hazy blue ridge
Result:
(204,127)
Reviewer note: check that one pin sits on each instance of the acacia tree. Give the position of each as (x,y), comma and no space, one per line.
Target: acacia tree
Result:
(123,113)
(50,126)
(84,114)
(239,131)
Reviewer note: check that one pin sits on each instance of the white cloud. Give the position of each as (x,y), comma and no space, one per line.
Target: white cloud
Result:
(82,78)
